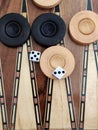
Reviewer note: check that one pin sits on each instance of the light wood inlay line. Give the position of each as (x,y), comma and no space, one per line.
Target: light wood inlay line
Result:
(82,112)
(13,115)
(34,88)
(19,61)
(48,102)
(3,113)
(84,84)
(16,87)
(1,93)
(48,111)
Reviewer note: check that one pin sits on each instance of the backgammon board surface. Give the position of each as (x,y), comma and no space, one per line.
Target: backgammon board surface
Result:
(31,101)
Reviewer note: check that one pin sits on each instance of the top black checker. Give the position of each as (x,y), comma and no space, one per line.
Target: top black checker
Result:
(14,30)
(48,29)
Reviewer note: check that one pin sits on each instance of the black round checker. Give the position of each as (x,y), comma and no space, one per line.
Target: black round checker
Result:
(14,30)
(48,29)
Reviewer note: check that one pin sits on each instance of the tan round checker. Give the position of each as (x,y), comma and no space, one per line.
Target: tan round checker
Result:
(57,56)
(47,3)
(83,27)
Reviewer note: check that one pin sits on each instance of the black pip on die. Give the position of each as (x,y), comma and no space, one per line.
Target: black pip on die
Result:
(35,56)
(59,72)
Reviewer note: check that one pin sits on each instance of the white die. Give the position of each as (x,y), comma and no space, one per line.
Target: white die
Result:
(59,72)
(35,56)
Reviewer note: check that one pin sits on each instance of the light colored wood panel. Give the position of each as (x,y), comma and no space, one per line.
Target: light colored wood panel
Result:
(91,108)
(59,118)
(25,116)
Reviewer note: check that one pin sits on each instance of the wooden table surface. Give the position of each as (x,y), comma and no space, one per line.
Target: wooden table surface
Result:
(31,101)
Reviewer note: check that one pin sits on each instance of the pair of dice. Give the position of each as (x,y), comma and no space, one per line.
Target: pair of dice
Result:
(58,72)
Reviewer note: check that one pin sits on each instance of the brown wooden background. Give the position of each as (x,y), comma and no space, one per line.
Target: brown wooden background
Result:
(8,74)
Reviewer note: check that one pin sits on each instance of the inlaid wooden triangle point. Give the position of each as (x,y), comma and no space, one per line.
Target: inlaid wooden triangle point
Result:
(91,106)
(60,117)
(25,115)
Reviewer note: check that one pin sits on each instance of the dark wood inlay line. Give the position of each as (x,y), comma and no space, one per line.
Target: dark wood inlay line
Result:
(2,101)
(85,69)
(84,83)
(16,87)
(34,89)
(95,47)
(17,79)
(48,103)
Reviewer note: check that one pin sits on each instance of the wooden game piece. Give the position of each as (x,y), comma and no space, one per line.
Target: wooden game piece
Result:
(14,30)
(83,27)
(57,56)
(47,4)
(48,29)
(91,106)
(25,116)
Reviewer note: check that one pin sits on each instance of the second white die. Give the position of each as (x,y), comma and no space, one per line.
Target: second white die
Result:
(35,56)
(59,72)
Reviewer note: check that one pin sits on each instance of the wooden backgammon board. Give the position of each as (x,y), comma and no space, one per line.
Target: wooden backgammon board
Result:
(29,100)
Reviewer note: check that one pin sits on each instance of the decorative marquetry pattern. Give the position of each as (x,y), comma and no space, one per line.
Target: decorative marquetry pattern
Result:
(3,115)
(16,86)
(84,83)
(25,115)
(95,47)
(31,101)
(25,89)
(89,92)
(59,106)
(91,105)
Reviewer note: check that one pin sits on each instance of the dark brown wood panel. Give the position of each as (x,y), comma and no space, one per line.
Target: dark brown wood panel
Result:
(8,64)
(41,79)
(8,55)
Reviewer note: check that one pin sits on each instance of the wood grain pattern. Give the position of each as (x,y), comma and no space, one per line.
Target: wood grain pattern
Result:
(33,12)
(25,116)
(62,112)
(1,127)
(59,118)
(67,11)
(8,55)
(47,4)
(91,106)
